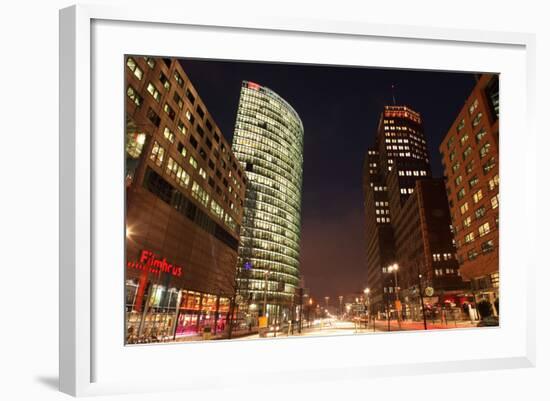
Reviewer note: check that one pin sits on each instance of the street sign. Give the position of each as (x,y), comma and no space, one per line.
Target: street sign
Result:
(429,291)
(262,322)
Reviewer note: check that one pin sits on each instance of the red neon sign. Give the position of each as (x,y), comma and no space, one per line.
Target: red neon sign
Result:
(151,263)
(253,85)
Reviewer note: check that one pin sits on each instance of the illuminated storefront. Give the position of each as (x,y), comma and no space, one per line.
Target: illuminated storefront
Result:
(268,143)
(167,314)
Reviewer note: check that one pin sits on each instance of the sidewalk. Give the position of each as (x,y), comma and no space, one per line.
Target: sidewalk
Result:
(220,336)
(382,325)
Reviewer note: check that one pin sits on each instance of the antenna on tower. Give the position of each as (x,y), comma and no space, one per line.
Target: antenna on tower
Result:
(393,93)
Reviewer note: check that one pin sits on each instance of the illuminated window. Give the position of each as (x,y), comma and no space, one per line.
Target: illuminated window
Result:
(468,238)
(480,135)
(489,165)
(169,134)
(484,229)
(464,138)
(193,162)
(175,171)
(461,194)
(460,125)
(134,144)
(458,180)
(132,65)
(182,150)
(495,279)
(494,201)
(153,91)
(473,181)
(230,222)
(477,119)
(200,194)
(178,100)
(470,167)
(484,151)
(157,154)
(134,96)
(473,107)
(202,173)
(216,209)
(467,221)
(478,196)
(168,110)
(182,128)
(493,182)
(190,116)
(150,61)
(178,78)
(467,153)
(464,208)
(164,81)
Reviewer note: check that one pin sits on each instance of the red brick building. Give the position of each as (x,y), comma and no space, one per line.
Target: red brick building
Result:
(470,159)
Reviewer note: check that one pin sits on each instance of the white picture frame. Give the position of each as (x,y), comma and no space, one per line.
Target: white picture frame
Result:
(87,366)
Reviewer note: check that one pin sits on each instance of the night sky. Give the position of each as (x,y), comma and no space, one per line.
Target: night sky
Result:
(339,108)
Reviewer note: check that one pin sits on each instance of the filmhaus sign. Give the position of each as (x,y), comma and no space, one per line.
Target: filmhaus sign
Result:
(151,263)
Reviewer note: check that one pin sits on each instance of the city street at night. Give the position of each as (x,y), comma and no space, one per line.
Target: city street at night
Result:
(334,327)
(246,216)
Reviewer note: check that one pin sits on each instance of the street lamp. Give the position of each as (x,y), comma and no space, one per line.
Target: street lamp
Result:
(266,273)
(393,269)
(366,291)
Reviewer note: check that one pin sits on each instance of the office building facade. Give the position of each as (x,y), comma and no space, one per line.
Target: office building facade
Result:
(425,251)
(184,205)
(470,160)
(268,143)
(392,165)
(407,222)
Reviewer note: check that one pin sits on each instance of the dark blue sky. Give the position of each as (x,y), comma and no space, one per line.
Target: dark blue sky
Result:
(339,107)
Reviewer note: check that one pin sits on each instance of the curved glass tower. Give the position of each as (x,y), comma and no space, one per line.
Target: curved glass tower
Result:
(269,142)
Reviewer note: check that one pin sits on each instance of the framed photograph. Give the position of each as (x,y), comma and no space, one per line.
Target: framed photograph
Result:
(306,199)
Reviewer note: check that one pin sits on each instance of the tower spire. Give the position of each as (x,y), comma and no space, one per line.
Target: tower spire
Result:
(393,93)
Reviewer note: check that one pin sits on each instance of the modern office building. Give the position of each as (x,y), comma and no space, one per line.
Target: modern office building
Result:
(470,159)
(268,143)
(400,147)
(380,246)
(425,251)
(184,205)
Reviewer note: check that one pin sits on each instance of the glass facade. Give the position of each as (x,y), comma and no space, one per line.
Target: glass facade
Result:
(268,142)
